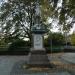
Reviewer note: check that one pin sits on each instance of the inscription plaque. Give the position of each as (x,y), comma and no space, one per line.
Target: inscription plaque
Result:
(38,41)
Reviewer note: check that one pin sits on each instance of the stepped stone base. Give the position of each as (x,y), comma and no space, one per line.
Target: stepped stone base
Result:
(38,58)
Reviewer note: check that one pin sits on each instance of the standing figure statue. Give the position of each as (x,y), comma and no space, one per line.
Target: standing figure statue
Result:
(37,9)
(38,56)
(37,15)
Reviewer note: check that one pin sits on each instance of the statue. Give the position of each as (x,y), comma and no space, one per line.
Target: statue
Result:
(37,32)
(37,9)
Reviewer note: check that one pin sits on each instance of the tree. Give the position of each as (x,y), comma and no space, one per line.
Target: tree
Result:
(67,17)
(73,39)
(17,16)
(57,39)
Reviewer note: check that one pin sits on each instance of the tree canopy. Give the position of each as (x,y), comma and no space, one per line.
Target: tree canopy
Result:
(73,39)
(16,16)
(56,38)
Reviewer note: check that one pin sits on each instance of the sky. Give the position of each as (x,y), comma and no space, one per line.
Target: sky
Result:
(1,1)
(73,29)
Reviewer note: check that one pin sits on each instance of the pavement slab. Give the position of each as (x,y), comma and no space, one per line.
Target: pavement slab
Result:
(69,57)
(12,65)
(62,73)
(7,62)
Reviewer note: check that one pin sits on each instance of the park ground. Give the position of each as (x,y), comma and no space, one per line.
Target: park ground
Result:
(64,64)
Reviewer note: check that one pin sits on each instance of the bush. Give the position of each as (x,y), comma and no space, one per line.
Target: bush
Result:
(73,39)
(19,46)
(54,49)
(57,39)
(69,48)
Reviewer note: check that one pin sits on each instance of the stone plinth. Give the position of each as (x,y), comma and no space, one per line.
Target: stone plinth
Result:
(38,58)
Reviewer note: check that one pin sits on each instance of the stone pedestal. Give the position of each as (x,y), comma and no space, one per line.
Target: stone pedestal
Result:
(37,42)
(38,58)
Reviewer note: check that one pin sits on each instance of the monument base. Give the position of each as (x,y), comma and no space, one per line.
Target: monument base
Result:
(38,58)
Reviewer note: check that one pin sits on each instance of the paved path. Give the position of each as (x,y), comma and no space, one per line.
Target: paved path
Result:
(7,62)
(69,57)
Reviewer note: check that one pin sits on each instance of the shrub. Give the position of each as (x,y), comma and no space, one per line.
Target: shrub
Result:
(73,39)
(56,49)
(56,39)
(69,48)
(19,46)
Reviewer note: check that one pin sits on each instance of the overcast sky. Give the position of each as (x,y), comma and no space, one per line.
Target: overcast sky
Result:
(1,1)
